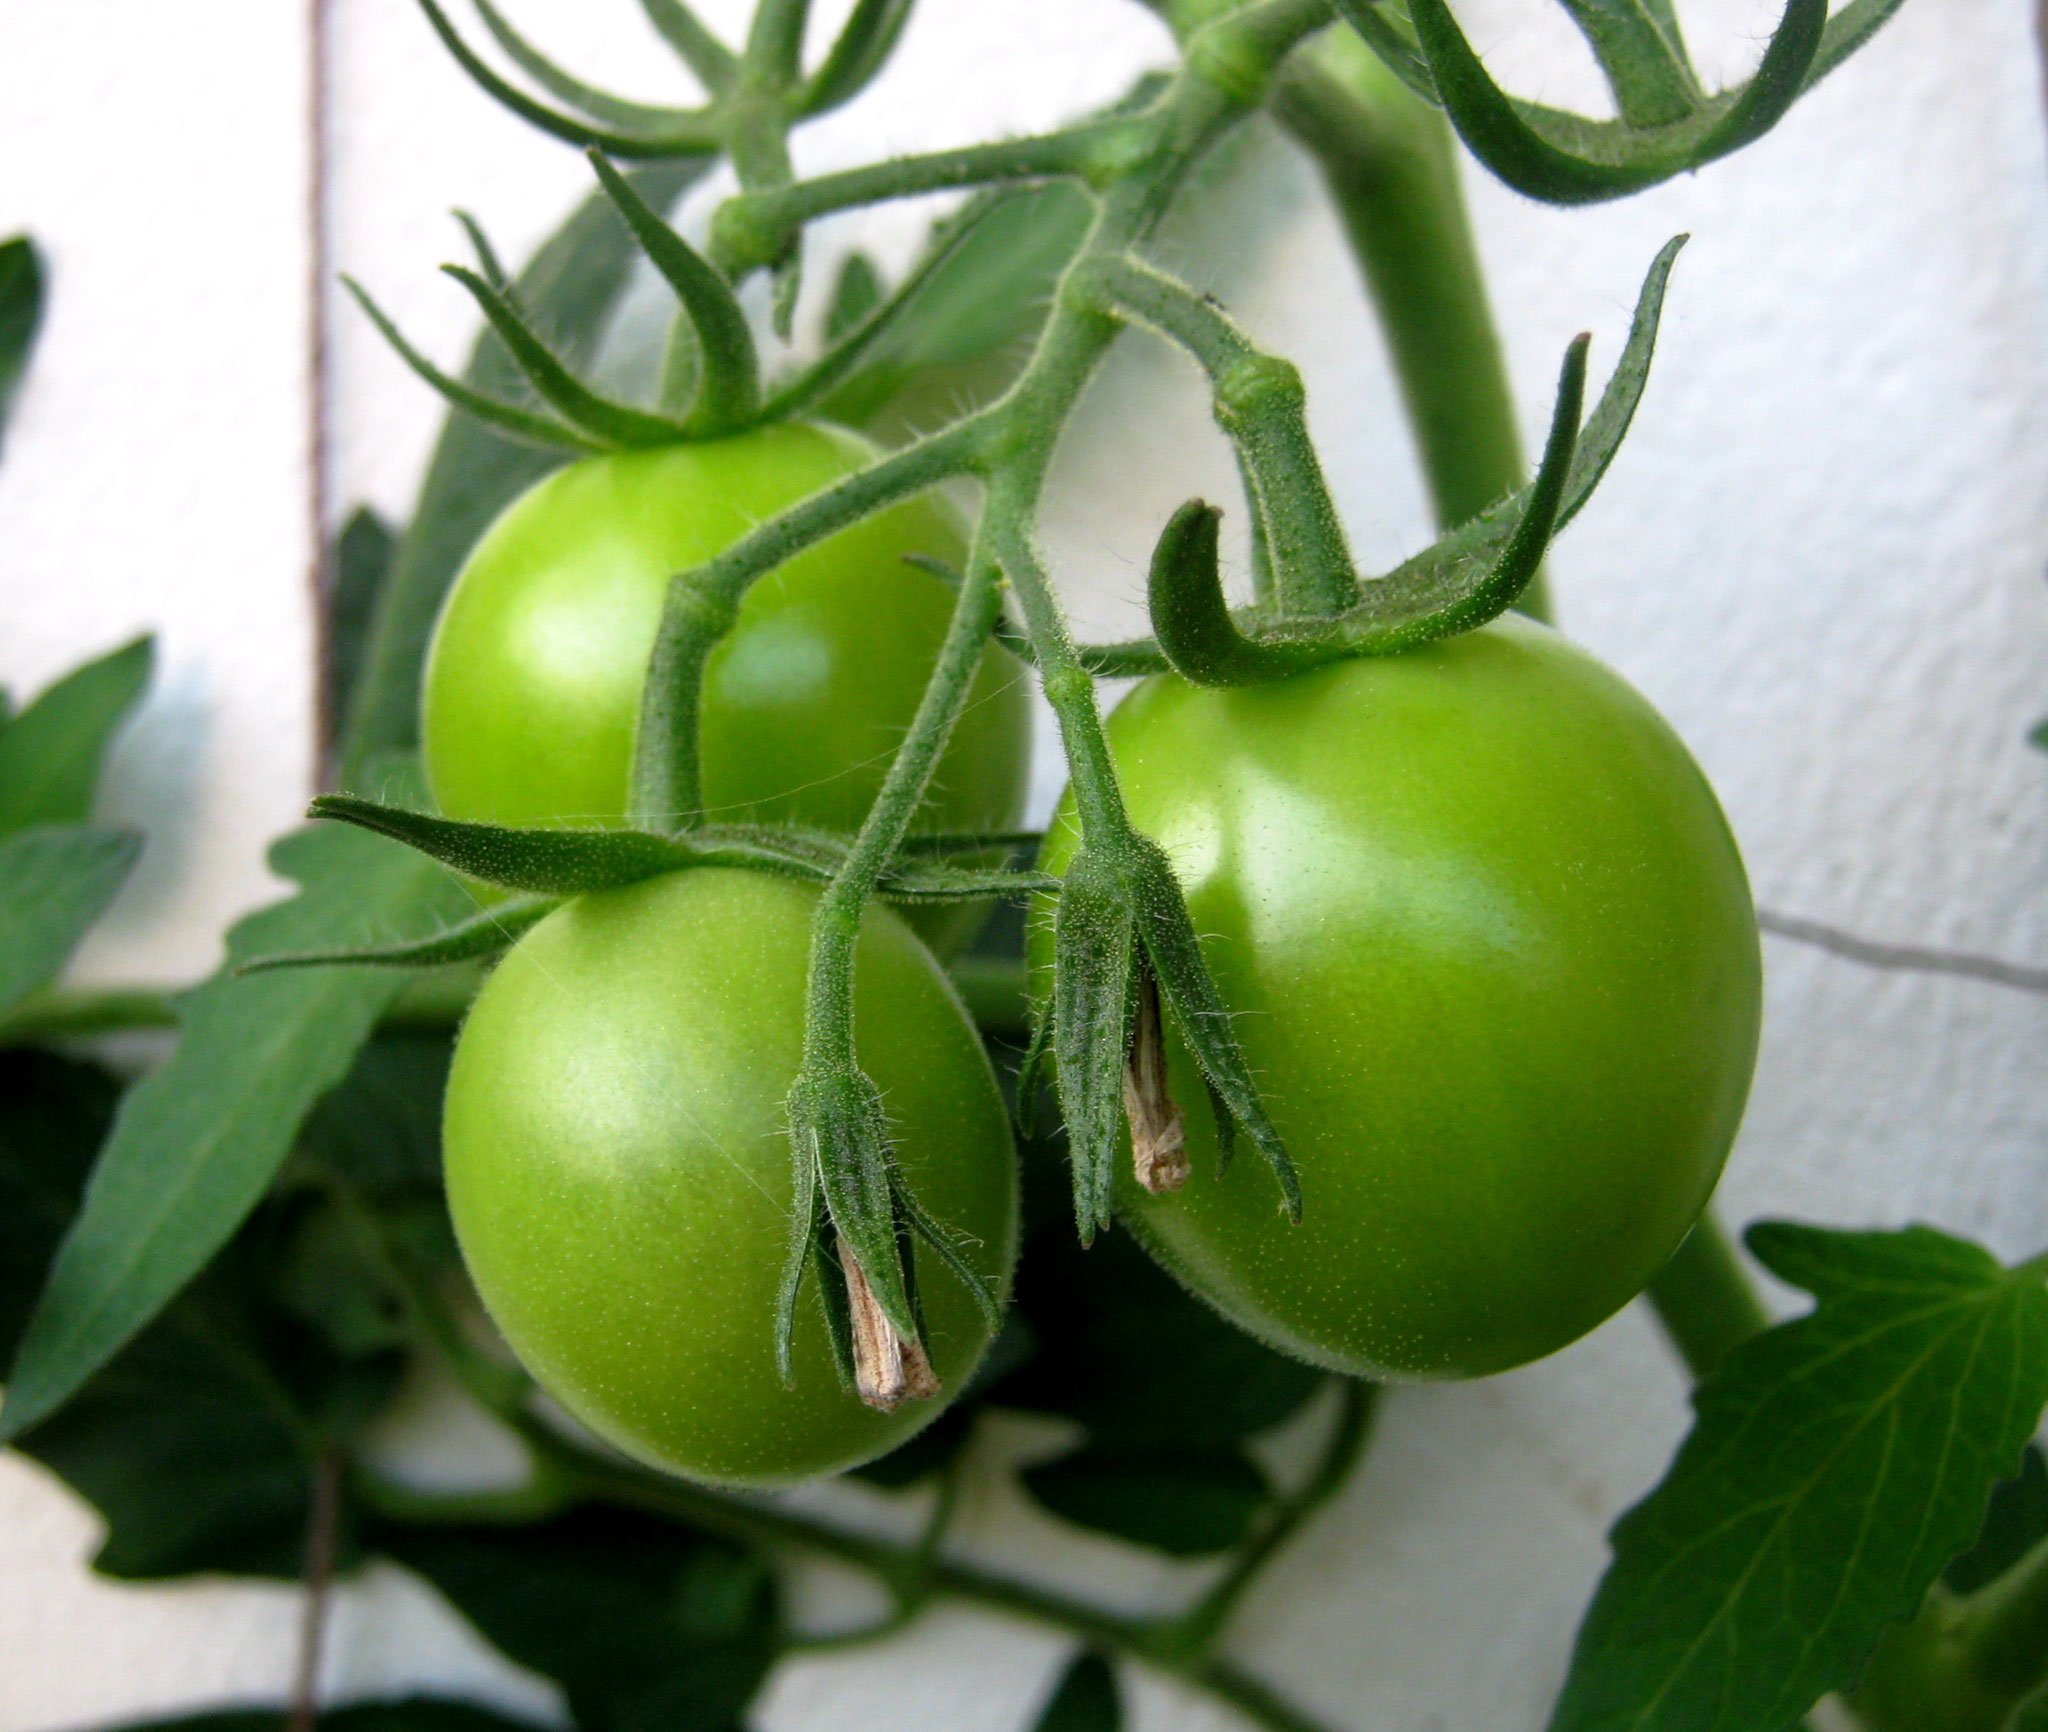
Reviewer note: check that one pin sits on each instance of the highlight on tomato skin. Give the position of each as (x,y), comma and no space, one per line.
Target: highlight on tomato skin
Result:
(533,680)
(619,1174)
(1489,948)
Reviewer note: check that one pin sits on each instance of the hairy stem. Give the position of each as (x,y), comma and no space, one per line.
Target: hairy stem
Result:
(1390,163)
(1261,405)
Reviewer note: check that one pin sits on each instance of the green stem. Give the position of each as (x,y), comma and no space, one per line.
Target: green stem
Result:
(828,1026)
(1261,405)
(666,787)
(1200,1625)
(1704,1299)
(1391,165)
(910,1573)
(755,227)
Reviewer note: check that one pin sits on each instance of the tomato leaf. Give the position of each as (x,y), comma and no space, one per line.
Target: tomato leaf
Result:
(570,288)
(50,754)
(644,1624)
(197,1442)
(361,560)
(1836,1463)
(21,312)
(1181,1502)
(198,1142)
(54,883)
(1085,1700)
(2015,1521)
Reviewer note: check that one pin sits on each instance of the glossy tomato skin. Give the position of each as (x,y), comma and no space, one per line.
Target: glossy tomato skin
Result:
(534,676)
(619,1173)
(1492,957)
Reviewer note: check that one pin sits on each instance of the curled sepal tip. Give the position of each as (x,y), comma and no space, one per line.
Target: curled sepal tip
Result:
(1123,948)
(1566,158)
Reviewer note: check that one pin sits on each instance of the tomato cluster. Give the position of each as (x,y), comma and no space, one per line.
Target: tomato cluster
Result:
(1483,927)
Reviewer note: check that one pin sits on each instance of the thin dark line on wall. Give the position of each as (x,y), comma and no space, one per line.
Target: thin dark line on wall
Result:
(320,576)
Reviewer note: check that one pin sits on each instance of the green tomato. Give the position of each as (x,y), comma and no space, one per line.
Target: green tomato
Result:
(533,680)
(619,1172)
(1492,959)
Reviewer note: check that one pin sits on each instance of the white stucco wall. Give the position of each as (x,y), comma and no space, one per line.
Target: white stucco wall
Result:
(1820,552)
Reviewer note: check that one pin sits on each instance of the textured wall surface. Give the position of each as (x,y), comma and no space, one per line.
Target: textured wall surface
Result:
(1820,552)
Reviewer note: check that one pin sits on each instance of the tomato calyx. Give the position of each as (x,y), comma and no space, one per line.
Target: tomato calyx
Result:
(853,1210)
(1122,943)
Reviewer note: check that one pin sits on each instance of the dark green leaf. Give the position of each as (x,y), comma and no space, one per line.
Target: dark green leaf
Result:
(197,1443)
(1086,1699)
(380,1129)
(2014,1523)
(54,1114)
(570,288)
(197,1143)
(408,1714)
(1184,1503)
(2038,735)
(646,1626)
(1836,1464)
(21,312)
(50,754)
(54,883)
(1130,1354)
(363,553)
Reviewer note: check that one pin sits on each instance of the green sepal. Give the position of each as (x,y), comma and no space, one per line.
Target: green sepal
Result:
(483,934)
(1643,58)
(521,424)
(1389,32)
(1188,990)
(487,260)
(714,64)
(1031,1070)
(837,1121)
(1850,27)
(639,119)
(684,140)
(807,1227)
(1567,159)
(728,393)
(545,862)
(612,423)
(861,49)
(857,293)
(1095,971)
(1466,578)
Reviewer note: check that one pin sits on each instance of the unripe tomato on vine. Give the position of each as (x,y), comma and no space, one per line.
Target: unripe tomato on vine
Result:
(1489,950)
